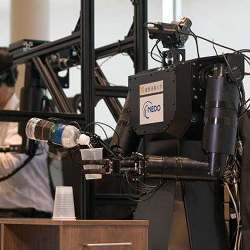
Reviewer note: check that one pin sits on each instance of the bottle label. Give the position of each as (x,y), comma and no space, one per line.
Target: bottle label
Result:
(57,137)
(31,126)
(42,130)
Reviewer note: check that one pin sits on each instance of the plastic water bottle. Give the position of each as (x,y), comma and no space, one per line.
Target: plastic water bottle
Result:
(67,136)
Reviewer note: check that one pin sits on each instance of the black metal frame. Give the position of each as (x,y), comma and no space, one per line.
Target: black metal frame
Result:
(94,84)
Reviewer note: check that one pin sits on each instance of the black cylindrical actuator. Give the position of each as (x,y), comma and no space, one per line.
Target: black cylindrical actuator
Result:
(221,119)
(124,136)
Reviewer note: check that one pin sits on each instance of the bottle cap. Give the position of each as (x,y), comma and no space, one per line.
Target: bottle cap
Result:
(84,140)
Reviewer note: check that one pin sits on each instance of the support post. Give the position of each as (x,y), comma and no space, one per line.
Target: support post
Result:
(88,92)
(141,37)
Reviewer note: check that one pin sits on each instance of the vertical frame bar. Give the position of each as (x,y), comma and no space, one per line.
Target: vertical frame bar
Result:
(141,37)
(87,88)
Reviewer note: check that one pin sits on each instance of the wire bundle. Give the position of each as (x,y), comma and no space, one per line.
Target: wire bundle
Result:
(143,190)
(231,182)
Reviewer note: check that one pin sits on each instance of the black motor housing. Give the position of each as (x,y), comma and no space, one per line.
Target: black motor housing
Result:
(220,119)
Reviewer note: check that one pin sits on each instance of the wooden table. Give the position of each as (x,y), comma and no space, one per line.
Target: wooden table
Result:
(43,234)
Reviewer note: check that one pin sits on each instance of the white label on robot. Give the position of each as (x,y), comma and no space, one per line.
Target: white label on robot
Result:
(151,88)
(151,109)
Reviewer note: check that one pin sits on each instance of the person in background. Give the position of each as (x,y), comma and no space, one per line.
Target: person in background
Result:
(27,193)
(6,60)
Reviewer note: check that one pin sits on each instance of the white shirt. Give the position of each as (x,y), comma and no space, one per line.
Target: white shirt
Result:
(29,188)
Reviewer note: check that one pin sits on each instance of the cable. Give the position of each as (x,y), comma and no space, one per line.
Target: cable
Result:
(118,136)
(16,170)
(106,147)
(215,50)
(8,176)
(232,177)
(236,81)
(217,44)
(159,51)
(239,241)
(212,42)
(152,52)
(196,43)
(144,195)
(240,89)
(102,123)
(101,141)
(125,54)
(245,111)
(145,191)
(241,51)
(150,194)
(103,130)
(246,58)
(155,55)
(237,215)
(244,50)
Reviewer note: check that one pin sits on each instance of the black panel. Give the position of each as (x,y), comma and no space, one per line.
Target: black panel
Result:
(177,100)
